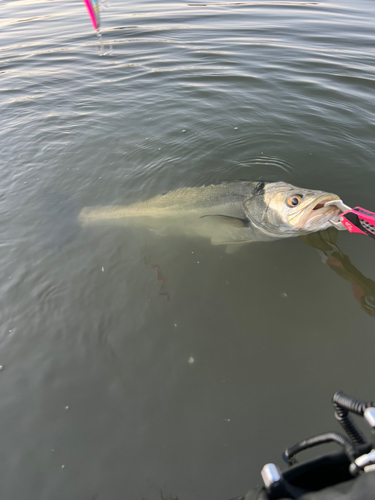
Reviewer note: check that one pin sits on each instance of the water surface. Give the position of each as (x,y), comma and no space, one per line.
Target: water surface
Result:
(98,397)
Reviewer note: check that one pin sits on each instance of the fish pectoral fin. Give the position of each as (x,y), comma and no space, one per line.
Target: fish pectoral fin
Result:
(229,220)
(234,237)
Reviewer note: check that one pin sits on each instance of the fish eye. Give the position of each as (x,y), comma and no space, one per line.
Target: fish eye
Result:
(295,200)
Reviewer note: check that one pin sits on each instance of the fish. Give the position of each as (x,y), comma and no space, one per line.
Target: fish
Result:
(228,213)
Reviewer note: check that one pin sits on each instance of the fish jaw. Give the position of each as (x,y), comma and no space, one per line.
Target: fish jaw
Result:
(319,213)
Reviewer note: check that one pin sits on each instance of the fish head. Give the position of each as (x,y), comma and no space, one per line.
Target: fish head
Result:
(281,209)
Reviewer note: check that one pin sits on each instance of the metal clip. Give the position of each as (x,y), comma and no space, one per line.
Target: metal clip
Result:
(339,204)
(364,463)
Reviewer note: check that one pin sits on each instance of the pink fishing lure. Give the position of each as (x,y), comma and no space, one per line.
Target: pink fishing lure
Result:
(93,8)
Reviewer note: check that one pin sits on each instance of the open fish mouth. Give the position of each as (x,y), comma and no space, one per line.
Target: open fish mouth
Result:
(322,207)
(326,209)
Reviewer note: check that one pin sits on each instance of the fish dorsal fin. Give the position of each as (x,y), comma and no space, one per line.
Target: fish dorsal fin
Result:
(229,220)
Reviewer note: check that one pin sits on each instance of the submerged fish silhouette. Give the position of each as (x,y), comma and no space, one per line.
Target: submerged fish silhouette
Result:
(229,213)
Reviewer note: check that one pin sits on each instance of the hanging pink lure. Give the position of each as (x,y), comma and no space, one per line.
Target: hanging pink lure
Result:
(93,8)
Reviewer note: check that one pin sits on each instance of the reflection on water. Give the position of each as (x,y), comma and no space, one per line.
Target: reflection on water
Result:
(363,288)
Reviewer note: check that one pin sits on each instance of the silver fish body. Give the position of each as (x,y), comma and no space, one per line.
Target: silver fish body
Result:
(227,213)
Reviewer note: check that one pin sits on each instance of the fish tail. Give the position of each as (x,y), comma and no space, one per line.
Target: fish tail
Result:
(97,215)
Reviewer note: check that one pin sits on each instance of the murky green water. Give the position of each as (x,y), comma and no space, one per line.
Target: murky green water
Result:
(98,398)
